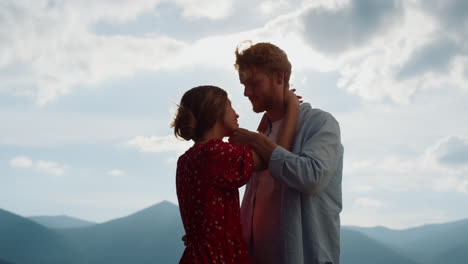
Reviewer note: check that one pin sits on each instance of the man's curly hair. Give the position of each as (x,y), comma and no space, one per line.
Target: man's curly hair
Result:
(264,56)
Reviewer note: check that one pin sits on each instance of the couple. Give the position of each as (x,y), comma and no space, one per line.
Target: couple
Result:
(292,168)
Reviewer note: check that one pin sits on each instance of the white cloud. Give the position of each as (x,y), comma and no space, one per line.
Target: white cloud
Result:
(372,59)
(449,153)
(159,144)
(56,60)
(171,160)
(325,3)
(463,187)
(54,44)
(368,202)
(422,55)
(268,7)
(21,162)
(361,188)
(352,166)
(44,128)
(116,172)
(371,217)
(212,9)
(50,167)
(441,168)
(352,25)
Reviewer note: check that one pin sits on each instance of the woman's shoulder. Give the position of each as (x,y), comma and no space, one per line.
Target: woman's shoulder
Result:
(215,147)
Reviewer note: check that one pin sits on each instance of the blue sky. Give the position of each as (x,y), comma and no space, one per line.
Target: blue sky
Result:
(88,88)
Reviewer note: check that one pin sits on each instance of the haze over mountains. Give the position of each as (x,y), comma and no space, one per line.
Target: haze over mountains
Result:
(61,221)
(153,235)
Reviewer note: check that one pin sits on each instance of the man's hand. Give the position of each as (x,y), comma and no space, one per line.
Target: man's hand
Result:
(242,136)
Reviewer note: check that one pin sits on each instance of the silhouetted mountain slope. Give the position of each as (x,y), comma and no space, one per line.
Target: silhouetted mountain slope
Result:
(61,221)
(457,255)
(423,243)
(24,241)
(2,261)
(152,235)
(357,248)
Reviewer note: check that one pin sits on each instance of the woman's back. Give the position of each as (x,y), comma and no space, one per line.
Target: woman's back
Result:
(208,177)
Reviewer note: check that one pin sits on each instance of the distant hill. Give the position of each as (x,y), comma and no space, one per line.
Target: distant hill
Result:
(424,243)
(61,221)
(458,255)
(24,241)
(357,248)
(2,261)
(152,235)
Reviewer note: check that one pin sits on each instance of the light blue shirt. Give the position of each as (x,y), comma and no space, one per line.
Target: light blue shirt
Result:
(310,191)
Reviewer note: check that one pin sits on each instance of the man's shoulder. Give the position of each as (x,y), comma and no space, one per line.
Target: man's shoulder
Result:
(309,114)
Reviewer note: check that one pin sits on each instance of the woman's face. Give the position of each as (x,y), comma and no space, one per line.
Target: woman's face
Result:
(230,118)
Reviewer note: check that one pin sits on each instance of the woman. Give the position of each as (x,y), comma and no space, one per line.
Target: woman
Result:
(210,173)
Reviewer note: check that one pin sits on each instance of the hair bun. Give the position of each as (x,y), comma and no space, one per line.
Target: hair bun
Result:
(184,123)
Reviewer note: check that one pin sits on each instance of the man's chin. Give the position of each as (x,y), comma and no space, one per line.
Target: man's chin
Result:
(257,109)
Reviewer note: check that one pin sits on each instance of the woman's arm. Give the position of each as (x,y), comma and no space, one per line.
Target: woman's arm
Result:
(288,129)
(261,144)
(259,164)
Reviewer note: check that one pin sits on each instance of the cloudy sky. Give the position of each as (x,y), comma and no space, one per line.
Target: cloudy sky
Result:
(88,90)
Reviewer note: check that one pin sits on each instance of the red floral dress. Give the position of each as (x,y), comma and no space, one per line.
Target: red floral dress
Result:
(208,177)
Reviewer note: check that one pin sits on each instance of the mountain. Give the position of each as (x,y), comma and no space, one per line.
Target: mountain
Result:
(458,255)
(61,221)
(357,248)
(424,243)
(2,261)
(152,235)
(24,241)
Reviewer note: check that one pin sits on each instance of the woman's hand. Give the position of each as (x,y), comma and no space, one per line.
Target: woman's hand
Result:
(291,98)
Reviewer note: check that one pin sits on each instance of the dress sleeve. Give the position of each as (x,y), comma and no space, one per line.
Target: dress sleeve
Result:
(231,165)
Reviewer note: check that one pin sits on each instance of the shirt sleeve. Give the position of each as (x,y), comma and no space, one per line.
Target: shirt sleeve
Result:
(232,165)
(318,161)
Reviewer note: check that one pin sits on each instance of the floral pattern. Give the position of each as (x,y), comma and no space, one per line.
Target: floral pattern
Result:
(208,177)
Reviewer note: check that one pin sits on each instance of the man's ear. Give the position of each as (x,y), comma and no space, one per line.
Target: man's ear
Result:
(279,78)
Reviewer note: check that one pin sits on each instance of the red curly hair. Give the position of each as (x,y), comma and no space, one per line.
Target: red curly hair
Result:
(265,56)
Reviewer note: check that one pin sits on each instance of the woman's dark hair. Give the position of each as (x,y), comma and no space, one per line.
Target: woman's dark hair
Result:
(198,111)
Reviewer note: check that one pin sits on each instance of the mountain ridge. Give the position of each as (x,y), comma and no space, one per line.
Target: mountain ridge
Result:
(154,233)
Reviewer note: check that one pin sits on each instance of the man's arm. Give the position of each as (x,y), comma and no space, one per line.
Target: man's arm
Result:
(313,167)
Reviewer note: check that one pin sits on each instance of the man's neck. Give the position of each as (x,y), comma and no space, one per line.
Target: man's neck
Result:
(276,113)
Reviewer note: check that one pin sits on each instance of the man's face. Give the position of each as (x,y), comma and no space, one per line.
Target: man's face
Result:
(259,87)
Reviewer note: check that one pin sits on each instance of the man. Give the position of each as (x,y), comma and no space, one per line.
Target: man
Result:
(290,212)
